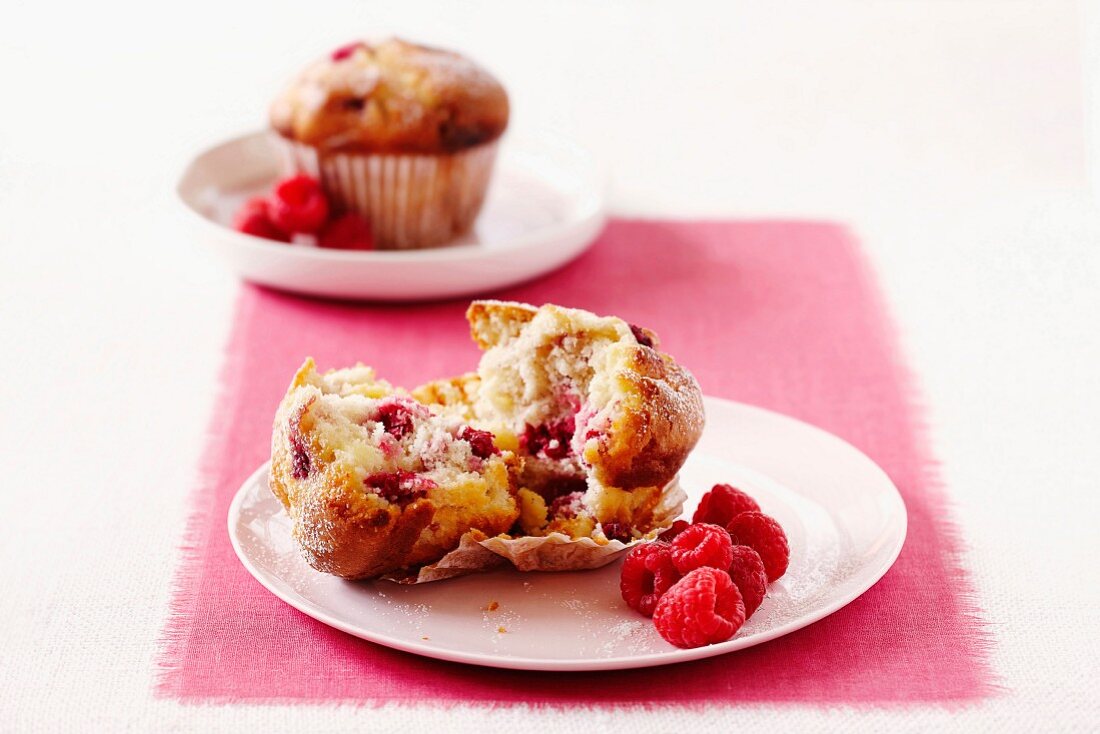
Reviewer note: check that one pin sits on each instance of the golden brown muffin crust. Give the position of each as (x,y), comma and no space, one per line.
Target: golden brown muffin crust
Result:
(659,417)
(392,97)
(654,433)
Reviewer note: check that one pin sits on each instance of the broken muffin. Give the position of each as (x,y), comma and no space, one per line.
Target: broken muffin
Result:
(375,481)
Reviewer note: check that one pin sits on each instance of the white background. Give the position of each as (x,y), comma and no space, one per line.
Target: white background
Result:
(957,138)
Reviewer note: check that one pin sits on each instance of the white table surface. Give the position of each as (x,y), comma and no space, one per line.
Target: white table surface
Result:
(958,139)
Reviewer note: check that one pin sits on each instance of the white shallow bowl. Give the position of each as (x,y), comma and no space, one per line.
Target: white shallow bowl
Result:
(844,518)
(544,207)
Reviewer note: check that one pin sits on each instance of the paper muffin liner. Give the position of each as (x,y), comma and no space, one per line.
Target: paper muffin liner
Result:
(553,552)
(412,201)
(469,557)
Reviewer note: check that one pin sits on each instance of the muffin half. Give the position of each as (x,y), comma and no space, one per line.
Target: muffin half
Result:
(602,419)
(375,481)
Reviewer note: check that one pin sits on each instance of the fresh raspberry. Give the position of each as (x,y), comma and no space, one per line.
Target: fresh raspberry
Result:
(647,574)
(567,395)
(677,527)
(399,487)
(701,545)
(765,536)
(747,572)
(254,218)
(723,503)
(481,442)
(298,204)
(702,608)
(396,419)
(343,52)
(347,232)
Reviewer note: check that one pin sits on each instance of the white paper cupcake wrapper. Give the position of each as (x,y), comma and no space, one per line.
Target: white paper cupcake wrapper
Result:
(412,201)
(553,552)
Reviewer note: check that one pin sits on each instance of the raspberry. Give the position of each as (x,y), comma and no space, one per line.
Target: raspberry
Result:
(566,505)
(747,573)
(550,439)
(676,528)
(647,574)
(400,487)
(347,232)
(702,608)
(298,204)
(254,218)
(723,503)
(396,419)
(765,536)
(343,52)
(616,530)
(702,545)
(300,463)
(481,442)
(643,336)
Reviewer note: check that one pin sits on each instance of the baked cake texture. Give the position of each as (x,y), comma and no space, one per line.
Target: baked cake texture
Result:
(375,481)
(392,97)
(574,426)
(402,134)
(602,419)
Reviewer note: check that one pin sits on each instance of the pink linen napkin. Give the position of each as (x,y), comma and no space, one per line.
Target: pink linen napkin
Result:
(785,315)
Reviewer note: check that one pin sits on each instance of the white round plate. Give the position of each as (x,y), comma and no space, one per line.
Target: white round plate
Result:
(844,519)
(544,208)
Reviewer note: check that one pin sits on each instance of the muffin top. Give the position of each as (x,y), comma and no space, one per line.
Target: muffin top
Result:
(392,97)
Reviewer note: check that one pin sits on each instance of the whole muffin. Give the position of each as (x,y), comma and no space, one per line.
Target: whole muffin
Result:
(403,134)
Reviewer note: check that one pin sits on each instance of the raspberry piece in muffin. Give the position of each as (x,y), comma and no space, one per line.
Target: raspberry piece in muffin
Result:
(399,487)
(481,442)
(552,440)
(396,416)
(345,51)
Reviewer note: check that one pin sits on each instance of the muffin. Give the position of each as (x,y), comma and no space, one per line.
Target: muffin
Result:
(404,134)
(562,449)
(375,481)
(602,419)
